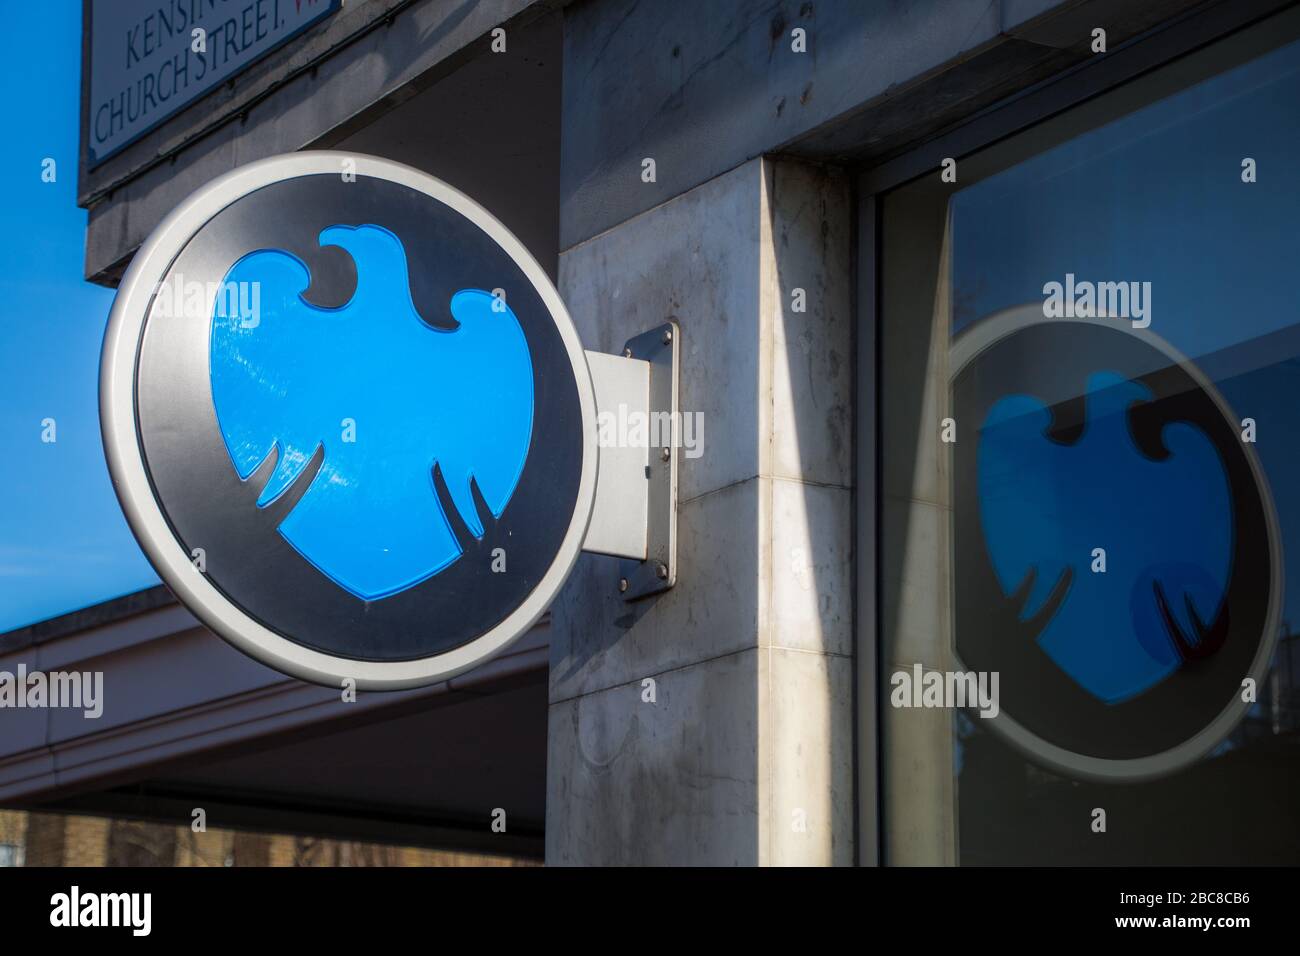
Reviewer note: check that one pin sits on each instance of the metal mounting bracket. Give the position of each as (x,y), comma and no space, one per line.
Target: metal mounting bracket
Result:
(635,513)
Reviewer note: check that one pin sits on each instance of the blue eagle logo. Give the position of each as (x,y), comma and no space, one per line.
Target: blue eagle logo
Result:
(385,397)
(1166,527)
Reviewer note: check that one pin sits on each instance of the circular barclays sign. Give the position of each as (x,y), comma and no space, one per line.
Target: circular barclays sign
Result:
(1119,441)
(339,399)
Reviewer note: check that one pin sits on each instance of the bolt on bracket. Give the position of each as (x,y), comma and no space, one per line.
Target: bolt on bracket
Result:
(635,512)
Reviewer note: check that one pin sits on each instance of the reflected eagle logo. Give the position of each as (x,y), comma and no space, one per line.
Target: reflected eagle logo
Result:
(390,432)
(1166,527)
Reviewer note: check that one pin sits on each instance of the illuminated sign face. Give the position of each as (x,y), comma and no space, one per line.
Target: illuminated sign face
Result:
(349,420)
(1115,548)
(448,411)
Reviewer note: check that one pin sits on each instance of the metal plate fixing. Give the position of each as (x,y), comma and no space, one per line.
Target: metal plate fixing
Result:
(658,572)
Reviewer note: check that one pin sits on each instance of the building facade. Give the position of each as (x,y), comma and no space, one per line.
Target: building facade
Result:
(847,207)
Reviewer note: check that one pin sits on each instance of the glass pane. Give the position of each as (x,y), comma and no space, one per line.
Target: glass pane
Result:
(1090,346)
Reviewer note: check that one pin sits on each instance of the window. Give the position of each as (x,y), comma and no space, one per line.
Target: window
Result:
(1090,480)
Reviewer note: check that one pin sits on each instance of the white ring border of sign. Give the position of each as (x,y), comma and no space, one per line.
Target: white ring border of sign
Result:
(965,348)
(135,493)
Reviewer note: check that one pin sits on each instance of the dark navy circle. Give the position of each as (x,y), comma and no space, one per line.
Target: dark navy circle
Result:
(206,504)
(1046,359)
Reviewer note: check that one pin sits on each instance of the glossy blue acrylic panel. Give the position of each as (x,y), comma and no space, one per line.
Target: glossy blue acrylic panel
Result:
(386,395)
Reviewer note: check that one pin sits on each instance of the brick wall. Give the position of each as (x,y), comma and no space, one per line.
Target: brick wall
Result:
(50,839)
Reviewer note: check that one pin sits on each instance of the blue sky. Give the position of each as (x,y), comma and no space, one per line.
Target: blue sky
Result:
(63,541)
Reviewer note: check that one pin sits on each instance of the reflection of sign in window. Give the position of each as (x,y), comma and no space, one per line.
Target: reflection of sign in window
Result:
(150,59)
(1104,526)
(1084,434)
